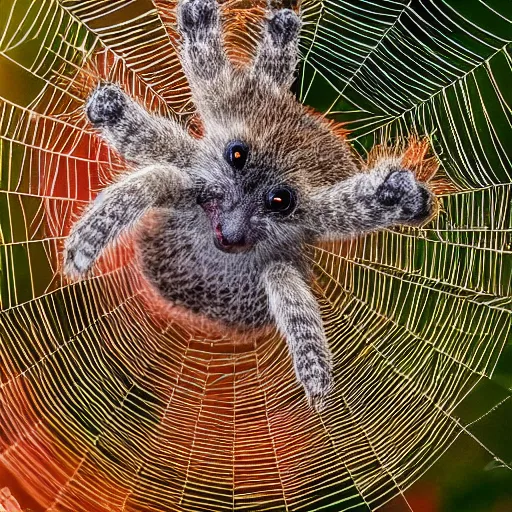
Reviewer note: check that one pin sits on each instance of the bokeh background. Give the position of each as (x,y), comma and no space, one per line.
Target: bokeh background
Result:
(89,369)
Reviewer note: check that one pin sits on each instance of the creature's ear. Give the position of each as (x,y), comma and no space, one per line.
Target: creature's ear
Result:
(277,54)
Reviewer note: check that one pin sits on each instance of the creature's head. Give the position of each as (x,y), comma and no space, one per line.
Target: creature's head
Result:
(261,157)
(249,201)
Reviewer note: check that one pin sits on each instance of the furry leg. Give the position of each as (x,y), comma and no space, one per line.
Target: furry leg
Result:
(278,51)
(297,316)
(386,196)
(116,210)
(135,133)
(202,53)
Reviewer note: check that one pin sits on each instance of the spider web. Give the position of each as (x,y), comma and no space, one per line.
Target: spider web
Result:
(109,401)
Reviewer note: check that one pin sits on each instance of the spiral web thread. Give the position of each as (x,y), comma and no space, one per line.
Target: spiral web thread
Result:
(111,401)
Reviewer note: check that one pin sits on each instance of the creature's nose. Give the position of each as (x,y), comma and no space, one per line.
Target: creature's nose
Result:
(230,236)
(232,229)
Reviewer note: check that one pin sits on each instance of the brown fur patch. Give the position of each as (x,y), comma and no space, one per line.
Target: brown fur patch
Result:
(415,153)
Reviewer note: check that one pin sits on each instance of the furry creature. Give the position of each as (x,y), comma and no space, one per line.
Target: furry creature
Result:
(237,207)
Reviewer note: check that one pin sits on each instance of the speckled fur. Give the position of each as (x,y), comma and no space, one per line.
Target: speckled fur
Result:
(267,280)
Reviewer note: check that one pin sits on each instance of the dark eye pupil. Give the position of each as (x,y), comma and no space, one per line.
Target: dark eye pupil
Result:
(280,200)
(236,154)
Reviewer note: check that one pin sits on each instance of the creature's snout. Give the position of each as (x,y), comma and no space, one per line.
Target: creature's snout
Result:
(233,231)
(231,226)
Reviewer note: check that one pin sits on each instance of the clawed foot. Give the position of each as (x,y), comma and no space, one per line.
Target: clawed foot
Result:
(197,15)
(400,189)
(78,259)
(105,105)
(283,26)
(316,377)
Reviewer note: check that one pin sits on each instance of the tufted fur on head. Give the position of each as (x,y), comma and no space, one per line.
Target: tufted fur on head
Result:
(235,208)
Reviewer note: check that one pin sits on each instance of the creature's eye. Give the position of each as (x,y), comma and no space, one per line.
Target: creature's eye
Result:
(280,200)
(236,153)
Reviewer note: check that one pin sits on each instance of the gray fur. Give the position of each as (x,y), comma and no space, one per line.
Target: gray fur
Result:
(133,132)
(117,209)
(203,56)
(277,54)
(214,246)
(388,195)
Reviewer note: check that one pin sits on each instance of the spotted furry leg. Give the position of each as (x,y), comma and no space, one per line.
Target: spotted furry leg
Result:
(133,132)
(115,210)
(388,195)
(297,316)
